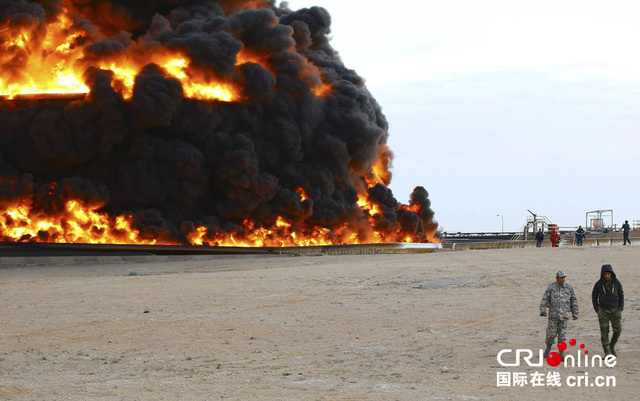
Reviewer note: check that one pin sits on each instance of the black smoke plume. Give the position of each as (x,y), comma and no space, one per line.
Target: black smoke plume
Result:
(173,162)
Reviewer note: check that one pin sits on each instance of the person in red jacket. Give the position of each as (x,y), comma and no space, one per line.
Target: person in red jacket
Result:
(554,238)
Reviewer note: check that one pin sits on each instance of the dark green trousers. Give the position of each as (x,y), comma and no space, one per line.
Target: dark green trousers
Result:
(613,317)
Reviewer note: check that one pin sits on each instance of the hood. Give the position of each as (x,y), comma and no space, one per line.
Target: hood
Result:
(607,268)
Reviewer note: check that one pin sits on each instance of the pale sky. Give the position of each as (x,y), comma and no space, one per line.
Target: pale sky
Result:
(499,106)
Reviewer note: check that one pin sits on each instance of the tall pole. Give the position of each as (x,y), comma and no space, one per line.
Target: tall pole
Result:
(501,218)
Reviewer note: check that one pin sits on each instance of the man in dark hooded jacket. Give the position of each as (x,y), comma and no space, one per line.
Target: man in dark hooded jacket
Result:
(608,301)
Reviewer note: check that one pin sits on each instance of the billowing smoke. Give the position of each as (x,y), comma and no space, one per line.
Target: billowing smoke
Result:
(301,140)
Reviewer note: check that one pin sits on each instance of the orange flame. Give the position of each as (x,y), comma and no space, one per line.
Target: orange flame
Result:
(56,63)
(303,194)
(380,169)
(77,224)
(321,91)
(81,223)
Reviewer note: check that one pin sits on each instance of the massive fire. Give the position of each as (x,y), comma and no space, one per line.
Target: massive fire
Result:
(79,223)
(57,62)
(230,123)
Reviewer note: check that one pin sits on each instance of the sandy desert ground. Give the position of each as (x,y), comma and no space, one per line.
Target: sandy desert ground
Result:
(375,327)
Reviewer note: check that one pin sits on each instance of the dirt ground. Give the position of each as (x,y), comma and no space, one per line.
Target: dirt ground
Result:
(375,327)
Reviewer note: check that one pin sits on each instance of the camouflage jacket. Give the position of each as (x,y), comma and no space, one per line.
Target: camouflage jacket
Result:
(560,301)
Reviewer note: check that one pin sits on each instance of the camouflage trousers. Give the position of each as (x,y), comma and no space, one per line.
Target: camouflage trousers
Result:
(615,317)
(556,328)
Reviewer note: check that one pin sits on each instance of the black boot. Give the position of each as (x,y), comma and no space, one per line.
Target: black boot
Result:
(607,349)
(546,351)
(562,356)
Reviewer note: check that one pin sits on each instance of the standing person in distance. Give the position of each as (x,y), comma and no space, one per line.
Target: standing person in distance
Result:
(625,232)
(539,238)
(554,238)
(580,235)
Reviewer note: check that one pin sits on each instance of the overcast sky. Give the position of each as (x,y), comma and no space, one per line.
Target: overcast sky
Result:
(499,106)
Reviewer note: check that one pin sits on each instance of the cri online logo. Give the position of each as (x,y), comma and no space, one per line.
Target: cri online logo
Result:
(554,358)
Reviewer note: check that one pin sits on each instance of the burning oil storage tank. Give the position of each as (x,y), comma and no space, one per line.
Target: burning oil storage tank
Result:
(190,122)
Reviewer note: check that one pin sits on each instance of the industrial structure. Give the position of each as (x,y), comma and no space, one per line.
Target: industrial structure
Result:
(599,220)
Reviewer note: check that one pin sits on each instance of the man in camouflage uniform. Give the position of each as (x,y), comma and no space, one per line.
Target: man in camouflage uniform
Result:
(608,301)
(562,302)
